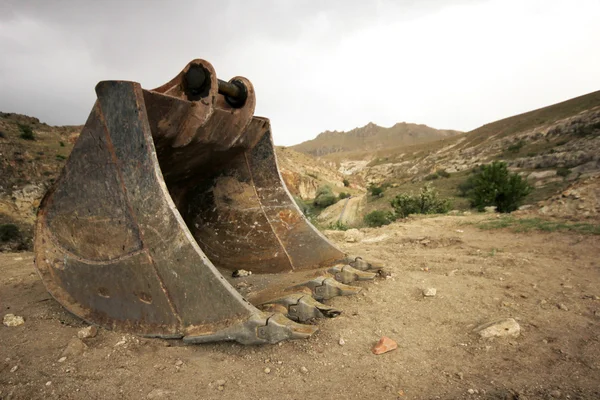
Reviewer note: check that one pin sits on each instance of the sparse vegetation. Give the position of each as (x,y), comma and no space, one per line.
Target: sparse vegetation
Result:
(376,191)
(431,177)
(442,173)
(563,171)
(346,182)
(495,185)
(516,147)
(427,201)
(344,195)
(26,132)
(379,218)
(61,143)
(312,175)
(538,224)
(60,157)
(338,226)
(9,232)
(324,197)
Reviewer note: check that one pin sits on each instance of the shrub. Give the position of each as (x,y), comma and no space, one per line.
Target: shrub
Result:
(378,218)
(344,195)
(425,202)
(338,226)
(346,182)
(9,232)
(376,190)
(563,171)
(494,185)
(515,147)
(61,143)
(26,132)
(60,157)
(314,176)
(443,173)
(324,197)
(431,177)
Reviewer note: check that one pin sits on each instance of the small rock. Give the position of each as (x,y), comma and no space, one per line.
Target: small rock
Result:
(429,292)
(471,391)
(220,382)
(460,375)
(75,348)
(556,394)
(384,345)
(158,393)
(267,370)
(304,370)
(62,359)
(341,342)
(12,320)
(490,209)
(353,235)
(240,273)
(48,383)
(178,363)
(87,332)
(563,307)
(14,369)
(501,328)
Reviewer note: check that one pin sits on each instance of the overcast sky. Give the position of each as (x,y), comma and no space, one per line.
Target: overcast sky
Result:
(316,65)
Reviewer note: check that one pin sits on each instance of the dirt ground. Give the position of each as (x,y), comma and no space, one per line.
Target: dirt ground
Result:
(548,282)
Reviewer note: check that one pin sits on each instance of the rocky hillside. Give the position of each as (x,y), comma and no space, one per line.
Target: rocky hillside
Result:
(32,155)
(370,138)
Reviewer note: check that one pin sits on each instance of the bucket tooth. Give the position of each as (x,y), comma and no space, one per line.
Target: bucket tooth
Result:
(260,328)
(303,308)
(324,288)
(347,274)
(360,264)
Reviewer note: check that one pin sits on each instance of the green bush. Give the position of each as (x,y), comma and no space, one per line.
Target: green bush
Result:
(61,143)
(324,197)
(346,182)
(426,201)
(338,226)
(431,177)
(563,171)
(376,190)
(496,186)
(26,132)
(378,218)
(9,232)
(443,173)
(344,195)
(515,147)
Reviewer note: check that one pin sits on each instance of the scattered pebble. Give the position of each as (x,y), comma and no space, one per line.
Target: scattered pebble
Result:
(158,393)
(48,383)
(384,345)
(178,363)
(14,369)
(342,342)
(75,348)
(13,320)
(501,328)
(471,391)
(304,370)
(62,359)
(563,307)
(240,273)
(267,370)
(429,292)
(87,332)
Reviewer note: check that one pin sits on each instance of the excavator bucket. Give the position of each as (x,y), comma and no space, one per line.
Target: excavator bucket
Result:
(166,195)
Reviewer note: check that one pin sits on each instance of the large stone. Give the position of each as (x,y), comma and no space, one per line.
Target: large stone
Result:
(501,328)
(75,348)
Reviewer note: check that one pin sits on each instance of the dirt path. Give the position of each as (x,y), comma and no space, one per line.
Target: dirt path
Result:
(479,275)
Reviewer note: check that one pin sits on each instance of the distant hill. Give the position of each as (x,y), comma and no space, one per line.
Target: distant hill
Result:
(371,137)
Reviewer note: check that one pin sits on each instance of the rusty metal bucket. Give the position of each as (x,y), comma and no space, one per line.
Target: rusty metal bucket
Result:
(169,191)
